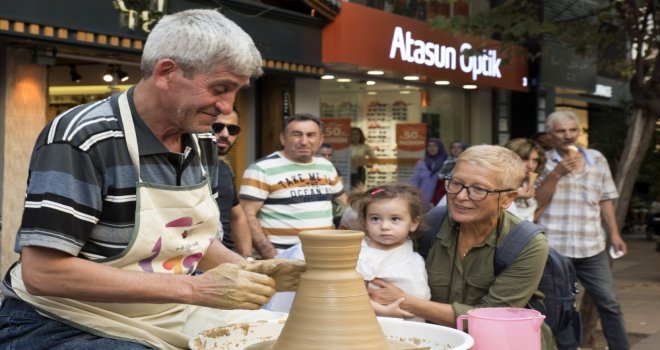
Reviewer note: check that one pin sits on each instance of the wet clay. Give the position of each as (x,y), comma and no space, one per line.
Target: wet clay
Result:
(393,345)
(331,309)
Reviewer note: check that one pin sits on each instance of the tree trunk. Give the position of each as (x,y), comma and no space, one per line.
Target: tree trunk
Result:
(638,141)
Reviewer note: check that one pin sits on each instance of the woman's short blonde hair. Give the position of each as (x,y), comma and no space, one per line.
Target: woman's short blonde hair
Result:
(508,166)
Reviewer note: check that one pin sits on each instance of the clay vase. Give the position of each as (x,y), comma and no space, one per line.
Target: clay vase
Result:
(331,309)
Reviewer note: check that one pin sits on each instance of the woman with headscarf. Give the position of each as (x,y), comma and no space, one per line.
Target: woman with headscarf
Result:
(455,149)
(425,175)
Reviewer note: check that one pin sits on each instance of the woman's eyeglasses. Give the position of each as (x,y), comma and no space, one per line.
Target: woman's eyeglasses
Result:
(231,128)
(475,193)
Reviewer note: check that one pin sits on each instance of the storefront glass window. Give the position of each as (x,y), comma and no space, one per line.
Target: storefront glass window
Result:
(377,109)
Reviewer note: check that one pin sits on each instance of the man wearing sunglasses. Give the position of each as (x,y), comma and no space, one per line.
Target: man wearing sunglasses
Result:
(235,229)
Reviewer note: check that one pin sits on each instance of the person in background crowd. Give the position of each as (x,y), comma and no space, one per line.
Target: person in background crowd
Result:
(457,147)
(425,174)
(120,210)
(326,151)
(360,153)
(290,190)
(577,192)
(235,229)
(533,156)
(543,140)
(460,260)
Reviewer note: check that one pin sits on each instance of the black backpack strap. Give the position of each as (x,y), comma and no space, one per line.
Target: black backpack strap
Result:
(432,221)
(507,251)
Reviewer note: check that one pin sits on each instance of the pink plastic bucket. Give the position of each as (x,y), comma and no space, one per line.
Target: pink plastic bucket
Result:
(503,328)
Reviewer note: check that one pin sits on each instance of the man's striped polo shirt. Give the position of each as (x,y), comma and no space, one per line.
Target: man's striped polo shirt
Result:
(295,196)
(81,185)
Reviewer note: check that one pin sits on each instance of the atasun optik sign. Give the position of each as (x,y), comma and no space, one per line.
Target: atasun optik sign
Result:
(408,49)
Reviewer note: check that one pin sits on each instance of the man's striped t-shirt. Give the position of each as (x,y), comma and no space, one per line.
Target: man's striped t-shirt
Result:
(295,196)
(81,186)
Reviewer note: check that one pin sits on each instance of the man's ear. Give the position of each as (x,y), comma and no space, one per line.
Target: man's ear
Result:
(164,71)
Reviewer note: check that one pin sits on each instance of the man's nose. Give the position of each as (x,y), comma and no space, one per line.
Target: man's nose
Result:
(463,192)
(224,132)
(225,103)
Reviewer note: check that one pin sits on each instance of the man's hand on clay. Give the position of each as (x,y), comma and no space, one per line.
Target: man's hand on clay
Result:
(286,273)
(230,286)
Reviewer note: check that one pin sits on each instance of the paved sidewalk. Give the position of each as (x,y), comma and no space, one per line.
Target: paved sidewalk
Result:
(637,284)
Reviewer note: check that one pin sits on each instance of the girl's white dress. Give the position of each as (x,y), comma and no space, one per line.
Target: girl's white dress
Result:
(400,266)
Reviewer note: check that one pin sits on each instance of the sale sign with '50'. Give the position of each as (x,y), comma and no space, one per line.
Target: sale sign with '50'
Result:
(337,132)
(411,140)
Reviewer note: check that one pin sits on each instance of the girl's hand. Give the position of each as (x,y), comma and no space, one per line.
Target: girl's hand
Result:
(528,191)
(387,294)
(392,310)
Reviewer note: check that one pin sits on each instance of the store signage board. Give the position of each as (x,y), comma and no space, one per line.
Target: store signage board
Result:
(406,48)
(412,47)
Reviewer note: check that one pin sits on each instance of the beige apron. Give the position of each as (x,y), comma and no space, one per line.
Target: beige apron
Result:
(174,226)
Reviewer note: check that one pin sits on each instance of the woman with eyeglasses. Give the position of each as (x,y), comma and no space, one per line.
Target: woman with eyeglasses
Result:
(460,261)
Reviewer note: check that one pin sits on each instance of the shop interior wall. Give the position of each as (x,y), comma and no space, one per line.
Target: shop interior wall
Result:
(24,114)
(272,91)
(480,107)
(307,96)
(452,106)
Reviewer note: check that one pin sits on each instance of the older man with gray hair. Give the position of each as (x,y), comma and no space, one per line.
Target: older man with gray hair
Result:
(576,196)
(120,209)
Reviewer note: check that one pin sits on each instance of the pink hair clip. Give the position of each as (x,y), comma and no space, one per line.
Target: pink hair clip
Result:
(377,191)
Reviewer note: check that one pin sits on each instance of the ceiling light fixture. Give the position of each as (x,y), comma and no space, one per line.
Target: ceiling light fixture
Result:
(375,72)
(441,82)
(121,75)
(371,82)
(107,77)
(343,80)
(469,87)
(411,77)
(73,73)
(372,93)
(328,77)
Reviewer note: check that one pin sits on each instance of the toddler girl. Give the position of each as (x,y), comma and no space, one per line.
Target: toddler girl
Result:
(389,215)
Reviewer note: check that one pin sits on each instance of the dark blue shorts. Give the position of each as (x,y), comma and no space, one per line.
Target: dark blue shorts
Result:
(21,327)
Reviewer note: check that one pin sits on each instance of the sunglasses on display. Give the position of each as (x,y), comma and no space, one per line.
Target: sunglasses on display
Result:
(231,128)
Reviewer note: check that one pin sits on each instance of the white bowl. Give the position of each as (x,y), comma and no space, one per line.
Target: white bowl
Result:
(422,335)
